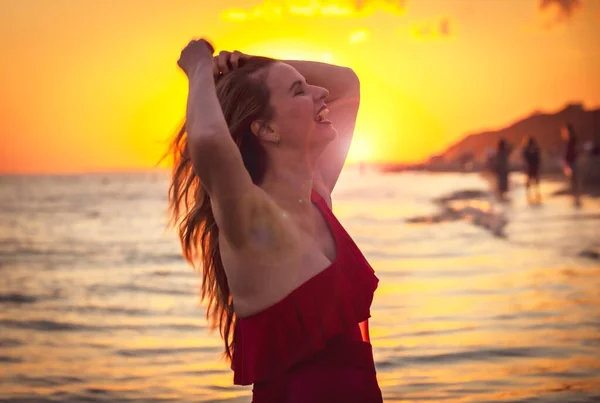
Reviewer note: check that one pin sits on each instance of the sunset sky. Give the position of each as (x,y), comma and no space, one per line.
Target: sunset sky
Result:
(92,85)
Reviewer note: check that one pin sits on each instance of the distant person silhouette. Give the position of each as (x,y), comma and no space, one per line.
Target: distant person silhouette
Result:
(595,151)
(361,168)
(502,168)
(532,159)
(571,161)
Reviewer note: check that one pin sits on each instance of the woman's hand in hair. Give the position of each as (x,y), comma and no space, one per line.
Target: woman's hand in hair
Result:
(197,53)
(226,62)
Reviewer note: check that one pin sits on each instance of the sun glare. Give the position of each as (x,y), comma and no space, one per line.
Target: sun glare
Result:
(291,49)
(360,150)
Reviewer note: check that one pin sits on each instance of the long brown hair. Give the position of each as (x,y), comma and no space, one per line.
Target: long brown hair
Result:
(244,98)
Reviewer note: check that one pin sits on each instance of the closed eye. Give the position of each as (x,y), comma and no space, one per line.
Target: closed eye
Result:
(297,88)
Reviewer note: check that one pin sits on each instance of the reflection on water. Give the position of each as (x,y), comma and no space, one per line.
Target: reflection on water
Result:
(97,305)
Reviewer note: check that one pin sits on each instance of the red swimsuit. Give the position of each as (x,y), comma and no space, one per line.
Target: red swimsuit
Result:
(313,345)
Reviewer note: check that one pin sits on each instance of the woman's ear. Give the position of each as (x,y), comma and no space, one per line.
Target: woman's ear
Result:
(257,128)
(264,132)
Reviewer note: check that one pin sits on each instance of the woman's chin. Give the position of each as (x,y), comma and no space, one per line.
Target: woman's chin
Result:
(321,135)
(326,131)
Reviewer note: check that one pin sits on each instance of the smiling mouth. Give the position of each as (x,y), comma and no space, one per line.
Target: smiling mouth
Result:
(321,116)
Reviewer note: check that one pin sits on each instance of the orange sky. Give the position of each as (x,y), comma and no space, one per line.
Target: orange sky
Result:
(93,85)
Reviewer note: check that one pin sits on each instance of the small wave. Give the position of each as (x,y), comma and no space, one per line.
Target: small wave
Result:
(573,217)
(219,388)
(167,258)
(93,214)
(466,194)
(368,220)
(80,254)
(129,288)
(54,326)
(199,373)
(45,325)
(111,310)
(480,355)
(10,360)
(562,326)
(157,290)
(153,352)
(374,194)
(170,326)
(47,381)
(174,274)
(383,255)
(10,343)
(162,273)
(38,250)
(474,291)
(384,364)
(17,299)
(521,315)
(436,274)
(136,256)
(100,395)
(100,346)
(442,331)
(97,391)
(593,342)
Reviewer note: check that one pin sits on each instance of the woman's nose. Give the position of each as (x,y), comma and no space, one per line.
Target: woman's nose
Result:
(321,93)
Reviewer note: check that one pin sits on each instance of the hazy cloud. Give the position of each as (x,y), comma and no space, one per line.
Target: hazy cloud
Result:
(565,8)
(433,30)
(276,9)
(359,36)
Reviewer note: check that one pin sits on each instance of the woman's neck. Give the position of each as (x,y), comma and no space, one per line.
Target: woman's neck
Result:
(290,184)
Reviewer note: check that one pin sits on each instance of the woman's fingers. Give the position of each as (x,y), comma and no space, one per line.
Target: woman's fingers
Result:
(215,67)
(235,58)
(209,45)
(225,62)
(222,59)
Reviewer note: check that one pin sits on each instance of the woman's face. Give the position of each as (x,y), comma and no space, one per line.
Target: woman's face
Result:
(300,118)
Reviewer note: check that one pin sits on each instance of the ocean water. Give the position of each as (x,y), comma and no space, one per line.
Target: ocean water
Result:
(96,304)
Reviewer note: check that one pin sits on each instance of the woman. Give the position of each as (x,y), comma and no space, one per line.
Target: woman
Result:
(255,166)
